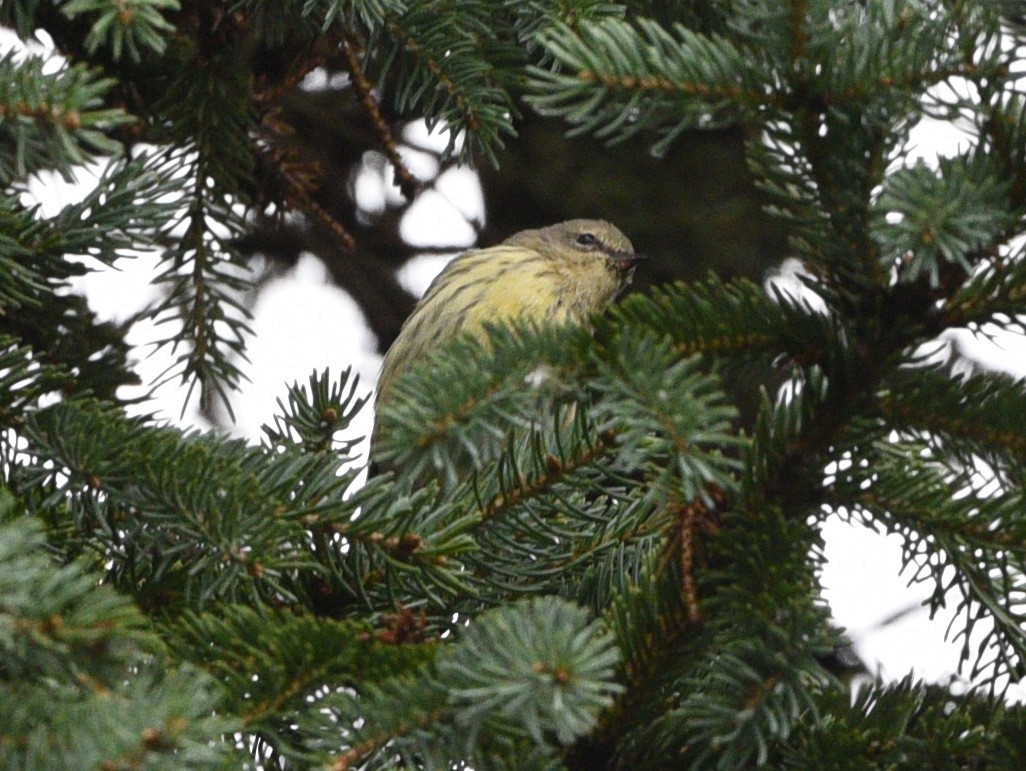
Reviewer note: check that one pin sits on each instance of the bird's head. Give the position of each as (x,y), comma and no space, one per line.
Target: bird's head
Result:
(589,249)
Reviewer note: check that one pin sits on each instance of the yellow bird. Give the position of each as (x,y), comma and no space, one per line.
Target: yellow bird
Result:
(560,273)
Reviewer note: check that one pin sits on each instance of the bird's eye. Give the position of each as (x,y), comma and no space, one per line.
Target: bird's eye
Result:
(587,239)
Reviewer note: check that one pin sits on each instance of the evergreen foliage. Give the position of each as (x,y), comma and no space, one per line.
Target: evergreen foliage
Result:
(582,557)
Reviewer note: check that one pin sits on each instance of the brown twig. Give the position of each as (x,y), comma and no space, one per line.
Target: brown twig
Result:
(307,202)
(265,95)
(296,186)
(351,758)
(687,516)
(407,183)
(404,626)
(691,519)
(710,92)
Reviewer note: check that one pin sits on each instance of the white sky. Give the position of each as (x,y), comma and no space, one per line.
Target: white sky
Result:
(302,323)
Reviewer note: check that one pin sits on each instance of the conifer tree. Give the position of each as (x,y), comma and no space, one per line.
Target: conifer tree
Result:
(603,570)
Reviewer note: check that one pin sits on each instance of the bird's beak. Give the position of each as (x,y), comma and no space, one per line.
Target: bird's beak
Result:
(626,261)
(624,264)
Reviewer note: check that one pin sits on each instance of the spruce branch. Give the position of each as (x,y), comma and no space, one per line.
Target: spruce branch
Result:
(979,415)
(649,617)
(404,549)
(559,507)
(646,406)
(52,120)
(842,191)
(202,273)
(928,217)
(274,665)
(742,678)
(534,20)
(313,418)
(908,723)
(61,627)
(127,206)
(80,678)
(205,277)
(978,537)
(671,408)
(533,675)
(267,94)
(906,52)
(656,637)
(418,425)
(206,117)
(23,383)
(621,79)
(439,58)
(404,709)
(873,53)
(744,700)
(584,460)
(340,13)
(737,318)
(995,292)
(125,25)
(1000,105)
(123,213)
(182,519)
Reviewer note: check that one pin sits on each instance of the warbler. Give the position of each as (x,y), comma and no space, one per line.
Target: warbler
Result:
(559,273)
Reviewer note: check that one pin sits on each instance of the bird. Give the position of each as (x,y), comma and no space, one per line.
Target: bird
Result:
(563,273)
